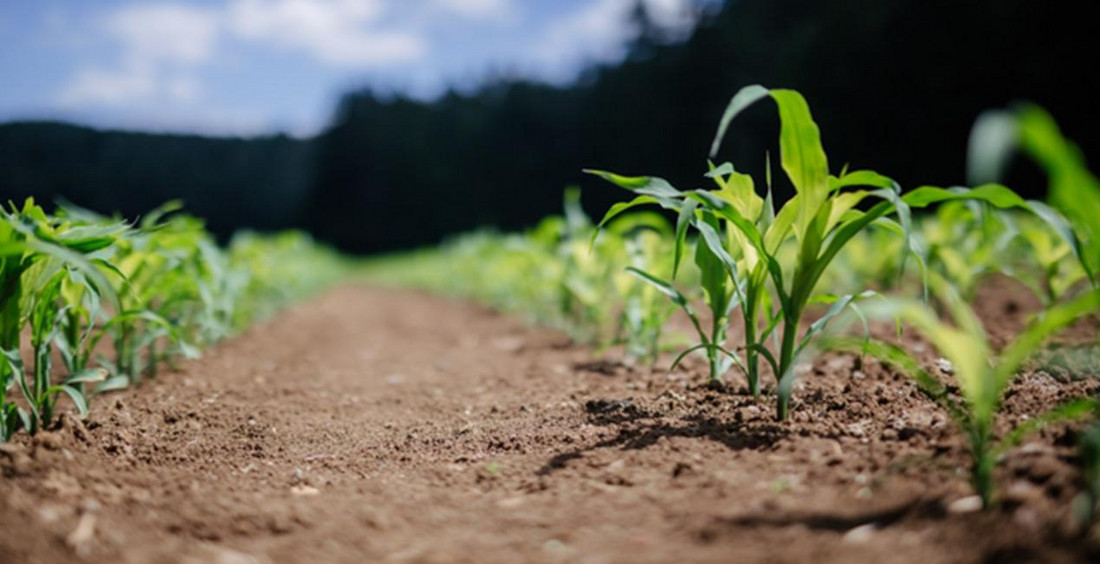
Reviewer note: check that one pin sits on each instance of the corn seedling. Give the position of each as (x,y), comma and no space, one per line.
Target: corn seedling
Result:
(981,378)
(767,263)
(1073,191)
(42,261)
(157,290)
(644,309)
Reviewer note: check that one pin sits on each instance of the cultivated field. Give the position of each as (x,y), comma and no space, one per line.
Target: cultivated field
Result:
(863,372)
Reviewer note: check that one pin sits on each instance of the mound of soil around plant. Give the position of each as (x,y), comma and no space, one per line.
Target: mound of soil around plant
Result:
(383,425)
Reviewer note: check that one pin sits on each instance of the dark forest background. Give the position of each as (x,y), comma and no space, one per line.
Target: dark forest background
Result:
(894,84)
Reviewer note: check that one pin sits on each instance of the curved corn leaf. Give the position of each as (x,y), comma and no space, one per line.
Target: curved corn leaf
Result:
(683,221)
(744,98)
(995,194)
(645,185)
(1065,231)
(992,139)
(88,375)
(1069,411)
(1048,323)
(706,346)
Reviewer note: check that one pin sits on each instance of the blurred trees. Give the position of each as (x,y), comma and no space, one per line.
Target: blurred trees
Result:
(261,183)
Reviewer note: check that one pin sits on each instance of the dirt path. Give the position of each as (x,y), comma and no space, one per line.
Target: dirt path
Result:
(379,425)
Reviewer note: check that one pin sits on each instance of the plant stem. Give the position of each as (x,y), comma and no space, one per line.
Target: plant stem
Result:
(752,359)
(786,358)
(984,462)
(718,338)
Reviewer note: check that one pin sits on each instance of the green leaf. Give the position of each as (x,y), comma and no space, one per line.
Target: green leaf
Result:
(683,220)
(835,309)
(1048,323)
(744,98)
(1061,226)
(995,194)
(861,178)
(670,291)
(801,155)
(87,375)
(992,139)
(26,419)
(1074,409)
(119,382)
(888,353)
(705,346)
(645,185)
(78,261)
(661,285)
(721,170)
(619,208)
(77,397)
(715,267)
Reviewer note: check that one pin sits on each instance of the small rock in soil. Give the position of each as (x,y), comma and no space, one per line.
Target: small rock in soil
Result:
(860,534)
(969,504)
(302,490)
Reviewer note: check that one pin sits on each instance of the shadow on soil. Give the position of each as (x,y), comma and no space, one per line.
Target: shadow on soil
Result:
(921,508)
(641,429)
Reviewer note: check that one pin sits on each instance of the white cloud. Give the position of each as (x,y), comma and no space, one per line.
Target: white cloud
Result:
(338,32)
(183,88)
(673,15)
(165,33)
(128,84)
(97,86)
(159,42)
(163,49)
(163,44)
(599,31)
(478,9)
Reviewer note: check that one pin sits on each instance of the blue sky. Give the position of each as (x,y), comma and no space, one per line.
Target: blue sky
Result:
(246,67)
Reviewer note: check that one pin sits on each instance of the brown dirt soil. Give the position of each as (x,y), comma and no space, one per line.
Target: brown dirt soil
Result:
(384,425)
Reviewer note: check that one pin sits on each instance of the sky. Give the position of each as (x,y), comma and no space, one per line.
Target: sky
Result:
(255,67)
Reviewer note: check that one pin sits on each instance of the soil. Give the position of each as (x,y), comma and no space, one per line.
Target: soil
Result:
(387,425)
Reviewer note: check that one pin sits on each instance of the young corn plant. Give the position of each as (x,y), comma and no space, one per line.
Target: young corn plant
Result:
(160,269)
(587,284)
(1051,270)
(869,260)
(41,256)
(981,377)
(767,263)
(645,311)
(47,314)
(1073,199)
(965,241)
